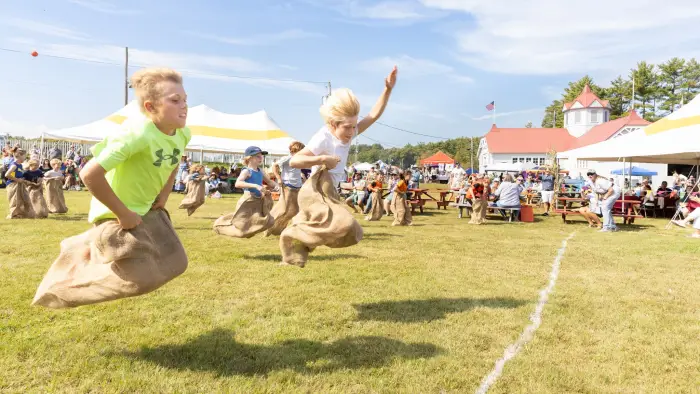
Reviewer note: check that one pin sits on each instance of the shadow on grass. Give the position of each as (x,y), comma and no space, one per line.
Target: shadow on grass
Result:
(328,257)
(414,311)
(217,351)
(379,235)
(74,217)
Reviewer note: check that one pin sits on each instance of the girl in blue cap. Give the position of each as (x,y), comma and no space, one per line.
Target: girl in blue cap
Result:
(252,177)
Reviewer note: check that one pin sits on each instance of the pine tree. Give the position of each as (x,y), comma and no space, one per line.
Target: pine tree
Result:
(691,80)
(645,89)
(672,79)
(619,94)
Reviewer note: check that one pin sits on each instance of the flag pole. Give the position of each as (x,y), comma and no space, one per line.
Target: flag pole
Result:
(494,112)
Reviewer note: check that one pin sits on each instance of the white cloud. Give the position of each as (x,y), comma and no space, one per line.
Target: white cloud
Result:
(505,114)
(397,11)
(410,67)
(262,39)
(43,28)
(103,6)
(551,37)
(21,129)
(189,64)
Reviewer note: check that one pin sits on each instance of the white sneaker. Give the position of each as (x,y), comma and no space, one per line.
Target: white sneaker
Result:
(679,223)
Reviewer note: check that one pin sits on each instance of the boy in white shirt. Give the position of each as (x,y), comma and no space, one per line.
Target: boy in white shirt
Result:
(330,146)
(610,192)
(55,171)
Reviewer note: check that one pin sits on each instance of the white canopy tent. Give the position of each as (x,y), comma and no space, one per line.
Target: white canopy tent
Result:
(212,131)
(674,139)
(509,167)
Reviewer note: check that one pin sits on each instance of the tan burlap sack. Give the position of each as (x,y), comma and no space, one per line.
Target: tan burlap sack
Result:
(36,199)
(323,220)
(252,216)
(18,199)
(377,207)
(286,208)
(195,196)
(54,195)
(402,211)
(107,263)
(478,211)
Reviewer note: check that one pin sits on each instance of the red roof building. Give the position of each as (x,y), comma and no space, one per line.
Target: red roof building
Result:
(437,159)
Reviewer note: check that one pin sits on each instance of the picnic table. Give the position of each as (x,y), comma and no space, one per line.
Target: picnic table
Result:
(564,206)
(417,200)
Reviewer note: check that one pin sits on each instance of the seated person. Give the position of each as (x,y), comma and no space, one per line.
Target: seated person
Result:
(508,193)
(591,210)
(663,190)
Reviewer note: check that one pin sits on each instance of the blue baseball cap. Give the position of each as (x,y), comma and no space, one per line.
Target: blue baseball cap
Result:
(254,150)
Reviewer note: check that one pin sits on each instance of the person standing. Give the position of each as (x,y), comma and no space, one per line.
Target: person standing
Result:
(547,190)
(610,192)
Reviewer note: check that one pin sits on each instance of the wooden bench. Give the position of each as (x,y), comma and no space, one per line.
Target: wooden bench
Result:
(462,206)
(416,204)
(511,212)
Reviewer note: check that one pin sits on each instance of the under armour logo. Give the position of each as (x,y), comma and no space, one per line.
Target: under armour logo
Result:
(173,158)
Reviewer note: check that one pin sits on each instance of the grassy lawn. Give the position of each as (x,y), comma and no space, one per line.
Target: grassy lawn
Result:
(423,309)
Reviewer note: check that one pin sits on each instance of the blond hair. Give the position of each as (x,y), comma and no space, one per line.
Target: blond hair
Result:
(147,83)
(33,163)
(340,105)
(18,152)
(295,147)
(195,168)
(53,162)
(246,160)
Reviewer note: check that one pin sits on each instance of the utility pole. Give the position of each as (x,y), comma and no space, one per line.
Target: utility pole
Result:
(126,76)
(471,153)
(554,116)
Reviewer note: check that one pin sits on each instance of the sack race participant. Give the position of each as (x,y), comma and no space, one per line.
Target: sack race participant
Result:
(35,189)
(252,215)
(17,196)
(323,220)
(399,204)
(291,178)
(133,248)
(357,195)
(376,210)
(53,182)
(479,191)
(327,152)
(194,189)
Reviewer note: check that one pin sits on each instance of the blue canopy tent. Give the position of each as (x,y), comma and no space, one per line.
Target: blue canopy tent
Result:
(634,171)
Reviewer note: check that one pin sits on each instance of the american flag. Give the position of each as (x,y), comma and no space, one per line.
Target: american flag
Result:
(491,106)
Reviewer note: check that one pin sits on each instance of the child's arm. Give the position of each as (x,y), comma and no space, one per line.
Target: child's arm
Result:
(270,182)
(379,107)
(93,175)
(162,197)
(306,159)
(10,174)
(242,184)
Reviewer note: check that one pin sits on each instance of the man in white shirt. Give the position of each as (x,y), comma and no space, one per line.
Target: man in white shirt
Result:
(330,146)
(610,192)
(457,176)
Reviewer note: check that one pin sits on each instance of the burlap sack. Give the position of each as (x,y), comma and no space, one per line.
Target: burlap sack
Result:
(107,263)
(323,219)
(377,207)
(252,216)
(478,211)
(402,211)
(195,196)
(284,211)
(36,199)
(54,195)
(19,205)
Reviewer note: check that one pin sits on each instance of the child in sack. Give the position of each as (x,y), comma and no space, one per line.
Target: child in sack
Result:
(130,178)
(17,196)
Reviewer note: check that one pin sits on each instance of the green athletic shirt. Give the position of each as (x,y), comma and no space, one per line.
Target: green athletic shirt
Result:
(138,161)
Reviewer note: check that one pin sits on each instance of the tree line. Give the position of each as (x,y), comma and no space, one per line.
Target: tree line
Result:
(658,91)
(461,149)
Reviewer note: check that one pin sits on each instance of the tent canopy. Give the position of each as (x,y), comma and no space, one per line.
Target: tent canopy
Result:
(673,140)
(362,166)
(636,171)
(509,167)
(437,159)
(212,131)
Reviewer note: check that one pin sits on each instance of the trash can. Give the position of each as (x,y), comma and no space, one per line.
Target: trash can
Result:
(527,213)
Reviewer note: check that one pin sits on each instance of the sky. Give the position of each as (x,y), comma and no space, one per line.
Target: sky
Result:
(454,57)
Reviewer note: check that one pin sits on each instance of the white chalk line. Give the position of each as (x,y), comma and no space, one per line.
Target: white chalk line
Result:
(535,320)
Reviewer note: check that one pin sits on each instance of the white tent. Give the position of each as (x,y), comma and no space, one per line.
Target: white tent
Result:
(509,167)
(212,131)
(674,139)
(363,166)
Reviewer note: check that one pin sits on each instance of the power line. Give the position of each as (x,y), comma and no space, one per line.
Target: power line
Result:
(411,132)
(379,142)
(186,71)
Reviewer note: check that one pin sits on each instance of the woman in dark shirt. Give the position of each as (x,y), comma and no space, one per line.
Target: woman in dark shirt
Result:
(45,166)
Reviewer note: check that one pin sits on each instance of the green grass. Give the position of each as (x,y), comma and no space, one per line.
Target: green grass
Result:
(428,308)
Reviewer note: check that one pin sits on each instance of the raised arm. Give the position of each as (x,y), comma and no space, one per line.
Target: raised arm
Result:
(380,105)
(306,159)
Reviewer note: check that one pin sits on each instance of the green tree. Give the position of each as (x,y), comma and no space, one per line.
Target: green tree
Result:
(646,88)
(571,92)
(528,125)
(691,80)
(671,81)
(552,111)
(619,94)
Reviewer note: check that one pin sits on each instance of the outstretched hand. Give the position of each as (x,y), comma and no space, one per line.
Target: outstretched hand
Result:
(391,79)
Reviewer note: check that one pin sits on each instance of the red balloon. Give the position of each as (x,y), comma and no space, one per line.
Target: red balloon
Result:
(35,53)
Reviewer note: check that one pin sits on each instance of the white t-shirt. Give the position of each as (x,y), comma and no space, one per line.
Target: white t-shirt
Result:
(290,176)
(52,174)
(458,175)
(601,186)
(325,143)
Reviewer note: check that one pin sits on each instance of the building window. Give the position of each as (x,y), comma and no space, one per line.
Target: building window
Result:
(594,116)
(582,163)
(605,116)
(541,161)
(577,117)
(515,160)
(528,160)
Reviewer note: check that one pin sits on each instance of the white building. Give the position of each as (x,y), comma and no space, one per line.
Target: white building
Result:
(586,122)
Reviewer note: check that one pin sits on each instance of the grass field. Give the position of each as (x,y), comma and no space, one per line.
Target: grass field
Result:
(425,309)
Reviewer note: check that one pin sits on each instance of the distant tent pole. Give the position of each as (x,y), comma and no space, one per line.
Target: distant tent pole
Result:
(42,146)
(201,155)
(126,75)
